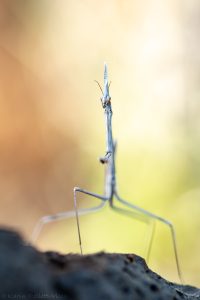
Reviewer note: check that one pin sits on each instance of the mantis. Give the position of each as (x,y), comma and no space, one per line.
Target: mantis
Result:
(111,196)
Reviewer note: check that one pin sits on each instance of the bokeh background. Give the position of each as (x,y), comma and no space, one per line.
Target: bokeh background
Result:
(52,125)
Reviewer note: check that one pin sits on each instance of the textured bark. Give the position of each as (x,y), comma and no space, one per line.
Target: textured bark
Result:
(26,273)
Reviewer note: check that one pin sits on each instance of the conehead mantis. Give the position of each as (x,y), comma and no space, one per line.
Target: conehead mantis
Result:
(111,196)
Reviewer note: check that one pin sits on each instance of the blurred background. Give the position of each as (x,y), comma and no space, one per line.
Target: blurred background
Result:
(52,124)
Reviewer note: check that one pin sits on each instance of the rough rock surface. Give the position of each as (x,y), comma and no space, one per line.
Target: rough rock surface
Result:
(26,273)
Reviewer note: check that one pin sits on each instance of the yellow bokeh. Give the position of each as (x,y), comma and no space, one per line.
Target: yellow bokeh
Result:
(52,123)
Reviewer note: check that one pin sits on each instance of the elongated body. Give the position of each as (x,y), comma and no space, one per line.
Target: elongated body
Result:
(110,190)
(109,158)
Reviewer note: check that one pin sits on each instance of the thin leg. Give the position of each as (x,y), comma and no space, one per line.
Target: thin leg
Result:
(65,215)
(131,214)
(48,219)
(77,189)
(150,239)
(166,222)
(143,218)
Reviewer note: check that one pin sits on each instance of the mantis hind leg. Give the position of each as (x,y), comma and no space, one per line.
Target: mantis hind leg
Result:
(66,215)
(142,218)
(151,234)
(154,217)
(48,219)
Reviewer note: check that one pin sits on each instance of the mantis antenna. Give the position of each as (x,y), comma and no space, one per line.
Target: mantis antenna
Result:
(111,195)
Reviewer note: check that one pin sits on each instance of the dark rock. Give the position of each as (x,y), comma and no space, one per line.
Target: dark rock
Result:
(26,273)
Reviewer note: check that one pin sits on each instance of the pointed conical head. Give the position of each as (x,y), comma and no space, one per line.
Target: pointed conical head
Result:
(106,95)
